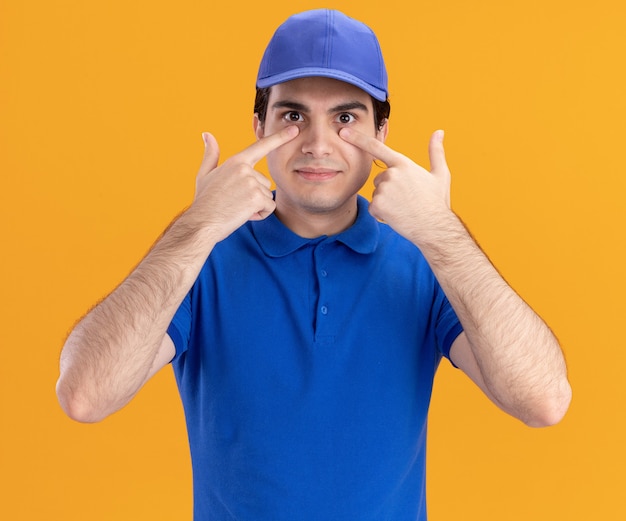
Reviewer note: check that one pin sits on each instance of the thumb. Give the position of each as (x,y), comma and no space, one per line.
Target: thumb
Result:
(436,153)
(211,153)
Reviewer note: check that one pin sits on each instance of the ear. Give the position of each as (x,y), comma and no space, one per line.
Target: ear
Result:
(259,131)
(381,134)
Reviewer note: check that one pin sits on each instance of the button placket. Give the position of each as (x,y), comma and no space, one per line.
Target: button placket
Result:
(324,322)
(324,307)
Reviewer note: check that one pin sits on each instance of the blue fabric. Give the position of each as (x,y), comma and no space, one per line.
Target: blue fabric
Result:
(327,43)
(305,369)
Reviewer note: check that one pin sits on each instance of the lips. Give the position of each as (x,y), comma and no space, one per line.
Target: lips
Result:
(316,173)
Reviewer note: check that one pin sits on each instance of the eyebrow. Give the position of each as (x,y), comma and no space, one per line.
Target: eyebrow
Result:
(300,107)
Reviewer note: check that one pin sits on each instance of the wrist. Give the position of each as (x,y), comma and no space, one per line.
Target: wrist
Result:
(194,230)
(446,241)
(437,230)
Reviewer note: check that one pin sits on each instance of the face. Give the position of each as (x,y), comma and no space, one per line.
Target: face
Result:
(318,173)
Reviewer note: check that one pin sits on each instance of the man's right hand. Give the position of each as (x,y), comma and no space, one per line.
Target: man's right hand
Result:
(233,193)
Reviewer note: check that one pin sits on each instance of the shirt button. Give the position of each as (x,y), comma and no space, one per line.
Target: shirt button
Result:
(324,273)
(324,310)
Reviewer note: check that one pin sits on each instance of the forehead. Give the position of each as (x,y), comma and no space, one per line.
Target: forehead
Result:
(318,91)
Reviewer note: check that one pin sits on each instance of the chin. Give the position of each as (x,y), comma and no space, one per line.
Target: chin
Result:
(321,204)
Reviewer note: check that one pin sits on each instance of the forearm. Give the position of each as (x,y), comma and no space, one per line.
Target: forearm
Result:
(121,342)
(111,351)
(506,348)
(519,359)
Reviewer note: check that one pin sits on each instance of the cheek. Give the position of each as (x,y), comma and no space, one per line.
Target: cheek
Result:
(359,159)
(277,159)
(271,161)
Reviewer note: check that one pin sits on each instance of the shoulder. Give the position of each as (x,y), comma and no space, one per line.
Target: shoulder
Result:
(397,247)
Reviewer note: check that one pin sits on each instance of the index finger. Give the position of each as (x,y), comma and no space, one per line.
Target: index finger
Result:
(258,150)
(373,146)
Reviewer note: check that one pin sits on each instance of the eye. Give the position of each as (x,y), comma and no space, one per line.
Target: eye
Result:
(345,118)
(293,117)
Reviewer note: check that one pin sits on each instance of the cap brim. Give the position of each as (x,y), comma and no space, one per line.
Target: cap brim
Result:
(308,72)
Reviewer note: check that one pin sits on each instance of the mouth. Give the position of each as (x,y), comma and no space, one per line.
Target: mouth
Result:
(316,174)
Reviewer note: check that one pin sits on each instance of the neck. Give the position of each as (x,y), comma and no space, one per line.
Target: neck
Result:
(316,223)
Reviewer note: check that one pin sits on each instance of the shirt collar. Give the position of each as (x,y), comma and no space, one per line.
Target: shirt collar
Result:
(276,240)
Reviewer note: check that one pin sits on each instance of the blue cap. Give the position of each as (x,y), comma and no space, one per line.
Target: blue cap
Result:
(325,43)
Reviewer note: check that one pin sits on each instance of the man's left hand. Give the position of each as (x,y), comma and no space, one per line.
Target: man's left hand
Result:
(408,197)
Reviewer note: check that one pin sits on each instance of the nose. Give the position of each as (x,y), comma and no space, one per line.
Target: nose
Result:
(318,139)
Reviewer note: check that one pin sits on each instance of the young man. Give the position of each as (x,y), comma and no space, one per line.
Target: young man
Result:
(305,326)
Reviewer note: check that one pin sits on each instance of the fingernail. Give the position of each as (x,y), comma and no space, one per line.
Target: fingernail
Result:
(204,138)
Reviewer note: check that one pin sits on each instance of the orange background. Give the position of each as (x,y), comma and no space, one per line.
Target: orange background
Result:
(101,109)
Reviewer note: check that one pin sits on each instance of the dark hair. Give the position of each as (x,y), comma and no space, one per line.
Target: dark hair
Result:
(382,109)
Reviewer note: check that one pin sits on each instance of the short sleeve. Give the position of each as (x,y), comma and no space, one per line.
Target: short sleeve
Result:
(448,326)
(179,329)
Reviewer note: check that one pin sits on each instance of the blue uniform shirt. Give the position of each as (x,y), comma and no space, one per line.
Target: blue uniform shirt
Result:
(305,368)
